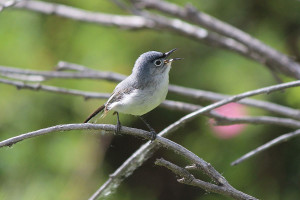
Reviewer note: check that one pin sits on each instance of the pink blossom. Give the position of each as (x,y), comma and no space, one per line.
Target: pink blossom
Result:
(229,110)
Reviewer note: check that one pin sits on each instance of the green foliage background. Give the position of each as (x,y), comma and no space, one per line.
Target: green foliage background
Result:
(73,165)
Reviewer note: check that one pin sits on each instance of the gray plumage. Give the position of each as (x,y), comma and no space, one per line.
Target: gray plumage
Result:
(144,89)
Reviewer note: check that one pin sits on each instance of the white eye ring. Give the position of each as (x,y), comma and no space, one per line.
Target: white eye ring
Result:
(157,63)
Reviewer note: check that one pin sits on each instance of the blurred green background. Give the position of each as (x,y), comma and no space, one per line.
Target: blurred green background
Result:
(72,165)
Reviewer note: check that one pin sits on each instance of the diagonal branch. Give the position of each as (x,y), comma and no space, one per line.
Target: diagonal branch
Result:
(212,96)
(159,141)
(276,141)
(38,86)
(122,21)
(8,3)
(168,104)
(233,39)
(67,127)
(150,21)
(146,150)
(84,72)
(196,33)
(188,179)
(256,49)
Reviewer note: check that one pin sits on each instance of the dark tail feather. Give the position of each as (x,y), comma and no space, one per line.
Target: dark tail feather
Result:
(94,113)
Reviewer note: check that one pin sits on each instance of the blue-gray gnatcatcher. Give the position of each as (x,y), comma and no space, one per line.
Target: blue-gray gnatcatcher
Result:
(143,90)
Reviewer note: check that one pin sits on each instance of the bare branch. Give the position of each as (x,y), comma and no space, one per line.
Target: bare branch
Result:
(168,104)
(189,179)
(195,32)
(8,3)
(67,127)
(160,141)
(146,150)
(84,72)
(136,22)
(62,65)
(191,167)
(92,74)
(233,39)
(276,141)
(135,160)
(38,86)
(235,98)
(212,96)
(262,53)
(122,21)
(221,120)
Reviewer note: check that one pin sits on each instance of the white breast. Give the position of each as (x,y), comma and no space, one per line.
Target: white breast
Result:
(141,101)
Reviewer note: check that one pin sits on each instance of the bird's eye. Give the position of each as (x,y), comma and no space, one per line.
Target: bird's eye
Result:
(157,62)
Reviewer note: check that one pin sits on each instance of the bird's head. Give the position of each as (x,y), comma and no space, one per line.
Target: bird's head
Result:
(153,63)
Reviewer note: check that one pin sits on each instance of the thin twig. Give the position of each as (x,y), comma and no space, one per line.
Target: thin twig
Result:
(235,98)
(257,50)
(88,73)
(268,55)
(67,127)
(212,96)
(276,141)
(8,3)
(38,87)
(160,141)
(188,179)
(195,32)
(62,65)
(138,22)
(168,104)
(65,75)
(221,120)
(122,21)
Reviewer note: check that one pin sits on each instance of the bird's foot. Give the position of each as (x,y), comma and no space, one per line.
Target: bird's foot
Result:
(119,126)
(153,135)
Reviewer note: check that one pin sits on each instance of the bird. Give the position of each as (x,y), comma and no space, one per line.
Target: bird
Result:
(142,91)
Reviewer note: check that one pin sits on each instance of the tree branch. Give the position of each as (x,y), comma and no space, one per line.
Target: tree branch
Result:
(122,21)
(85,72)
(128,167)
(139,22)
(168,104)
(146,150)
(237,43)
(212,96)
(188,179)
(195,32)
(8,3)
(53,89)
(261,52)
(159,141)
(276,141)
(222,120)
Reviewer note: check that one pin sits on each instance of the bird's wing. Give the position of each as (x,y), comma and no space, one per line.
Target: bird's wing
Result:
(117,95)
(123,88)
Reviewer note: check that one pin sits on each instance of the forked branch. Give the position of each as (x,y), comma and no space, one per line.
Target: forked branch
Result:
(159,141)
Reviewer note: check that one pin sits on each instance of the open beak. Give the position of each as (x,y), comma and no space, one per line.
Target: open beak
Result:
(172,59)
(169,52)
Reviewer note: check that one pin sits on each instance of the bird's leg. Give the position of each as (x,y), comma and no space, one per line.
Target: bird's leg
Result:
(152,131)
(118,128)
